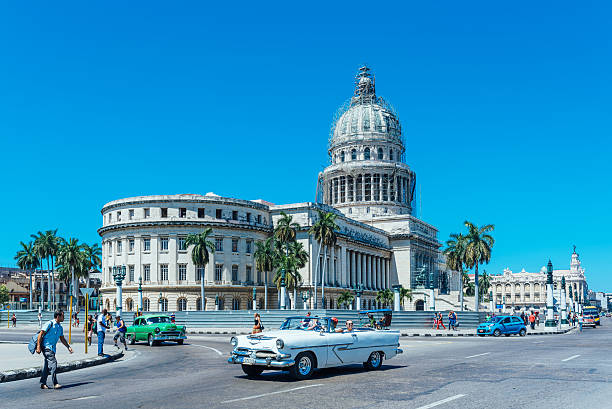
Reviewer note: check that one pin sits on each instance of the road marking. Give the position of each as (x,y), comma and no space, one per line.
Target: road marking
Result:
(440,402)
(85,397)
(538,342)
(274,393)
(570,358)
(474,356)
(204,346)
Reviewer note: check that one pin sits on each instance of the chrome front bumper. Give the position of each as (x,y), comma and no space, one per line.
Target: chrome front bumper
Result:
(268,362)
(168,337)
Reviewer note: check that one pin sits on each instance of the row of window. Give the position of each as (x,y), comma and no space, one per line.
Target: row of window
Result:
(180,245)
(182,273)
(182,213)
(367,155)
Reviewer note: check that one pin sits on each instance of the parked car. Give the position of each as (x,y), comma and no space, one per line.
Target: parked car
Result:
(503,324)
(303,344)
(591,315)
(154,329)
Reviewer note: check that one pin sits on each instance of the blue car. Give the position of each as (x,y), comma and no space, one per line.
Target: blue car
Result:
(504,324)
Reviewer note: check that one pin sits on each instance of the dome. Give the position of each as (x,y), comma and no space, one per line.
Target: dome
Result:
(367,117)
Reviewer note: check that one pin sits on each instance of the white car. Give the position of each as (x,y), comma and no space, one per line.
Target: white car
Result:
(303,344)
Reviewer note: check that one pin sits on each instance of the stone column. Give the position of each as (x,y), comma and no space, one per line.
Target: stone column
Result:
(332,270)
(363,183)
(357,268)
(396,297)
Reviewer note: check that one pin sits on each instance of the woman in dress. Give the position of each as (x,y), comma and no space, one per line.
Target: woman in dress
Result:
(257,326)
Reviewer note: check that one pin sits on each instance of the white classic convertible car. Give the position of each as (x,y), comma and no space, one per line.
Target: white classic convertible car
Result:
(303,344)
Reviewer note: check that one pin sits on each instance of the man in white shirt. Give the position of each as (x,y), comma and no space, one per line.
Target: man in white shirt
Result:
(102,326)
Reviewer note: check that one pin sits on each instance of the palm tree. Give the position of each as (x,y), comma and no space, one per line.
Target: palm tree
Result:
(385,297)
(455,256)
(93,254)
(40,251)
(200,255)
(27,260)
(71,256)
(346,298)
(405,293)
(296,251)
(484,284)
(324,231)
(264,261)
(478,250)
(51,244)
(285,232)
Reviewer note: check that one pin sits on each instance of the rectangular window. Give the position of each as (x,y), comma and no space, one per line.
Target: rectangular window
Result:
(181,244)
(218,244)
(248,217)
(163,244)
(163,272)
(249,279)
(146,244)
(110,248)
(164,212)
(235,245)
(131,214)
(234,214)
(146,272)
(200,213)
(234,273)
(147,213)
(259,219)
(182,212)
(131,244)
(110,217)
(118,216)
(119,246)
(218,272)
(131,274)
(182,272)
(199,273)
(219,214)
(249,246)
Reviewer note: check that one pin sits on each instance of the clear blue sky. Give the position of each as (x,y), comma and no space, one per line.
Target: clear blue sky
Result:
(505,108)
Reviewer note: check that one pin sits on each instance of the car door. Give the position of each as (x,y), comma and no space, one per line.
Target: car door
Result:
(506,325)
(517,324)
(339,348)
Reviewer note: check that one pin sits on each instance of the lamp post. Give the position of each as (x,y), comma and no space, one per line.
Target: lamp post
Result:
(254,298)
(217,302)
(491,301)
(563,317)
(282,290)
(431,288)
(305,297)
(140,293)
(119,276)
(550,315)
(396,297)
(358,291)
(159,301)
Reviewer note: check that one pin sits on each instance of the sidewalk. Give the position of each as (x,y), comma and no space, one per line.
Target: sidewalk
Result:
(17,362)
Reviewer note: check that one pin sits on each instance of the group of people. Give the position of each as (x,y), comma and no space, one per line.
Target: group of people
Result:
(438,320)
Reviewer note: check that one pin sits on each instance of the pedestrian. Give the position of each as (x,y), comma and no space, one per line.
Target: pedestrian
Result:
(47,340)
(101,326)
(580,320)
(532,321)
(14,319)
(537,318)
(173,318)
(121,329)
(452,320)
(435,321)
(39,320)
(89,328)
(523,317)
(257,327)
(440,321)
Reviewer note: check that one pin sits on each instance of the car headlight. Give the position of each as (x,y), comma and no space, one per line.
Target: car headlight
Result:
(280,344)
(234,341)
(157,330)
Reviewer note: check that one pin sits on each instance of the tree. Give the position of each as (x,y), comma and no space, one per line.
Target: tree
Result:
(70,255)
(346,298)
(4,294)
(93,254)
(294,279)
(200,255)
(27,260)
(478,251)
(264,261)
(40,250)
(324,231)
(385,297)
(484,283)
(285,233)
(455,256)
(405,293)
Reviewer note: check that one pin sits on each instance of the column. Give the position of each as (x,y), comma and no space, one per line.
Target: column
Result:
(332,270)
(353,281)
(380,186)
(372,273)
(378,273)
(343,267)
(363,188)
(363,269)
(388,272)
(357,268)
(368,271)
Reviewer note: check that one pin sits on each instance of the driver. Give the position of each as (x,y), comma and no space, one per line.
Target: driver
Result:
(349,327)
(334,324)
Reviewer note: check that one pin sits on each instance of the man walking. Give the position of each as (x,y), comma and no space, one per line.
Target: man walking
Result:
(101,326)
(14,319)
(47,340)
(121,329)
(532,321)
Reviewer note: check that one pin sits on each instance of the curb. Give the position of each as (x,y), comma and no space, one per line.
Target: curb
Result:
(26,373)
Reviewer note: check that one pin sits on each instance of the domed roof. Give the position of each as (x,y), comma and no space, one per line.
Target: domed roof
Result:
(367,116)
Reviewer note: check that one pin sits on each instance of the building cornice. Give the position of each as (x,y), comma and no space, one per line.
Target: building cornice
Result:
(183,223)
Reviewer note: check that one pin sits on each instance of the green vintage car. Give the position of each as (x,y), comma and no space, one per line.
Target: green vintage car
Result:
(155,328)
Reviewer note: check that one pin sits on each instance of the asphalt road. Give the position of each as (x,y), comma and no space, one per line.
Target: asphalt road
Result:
(562,371)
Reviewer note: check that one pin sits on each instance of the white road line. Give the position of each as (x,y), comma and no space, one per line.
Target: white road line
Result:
(538,342)
(85,397)
(204,346)
(273,393)
(474,356)
(570,358)
(440,402)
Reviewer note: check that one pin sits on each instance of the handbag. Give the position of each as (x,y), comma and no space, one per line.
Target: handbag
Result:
(32,343)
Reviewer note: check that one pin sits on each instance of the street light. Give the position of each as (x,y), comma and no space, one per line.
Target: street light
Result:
(160,301)
(140,293)
(305,297)
(254,298)
(358,291)
(119,276)
(282,289)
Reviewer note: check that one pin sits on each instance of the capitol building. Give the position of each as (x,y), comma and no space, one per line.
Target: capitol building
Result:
(368,185)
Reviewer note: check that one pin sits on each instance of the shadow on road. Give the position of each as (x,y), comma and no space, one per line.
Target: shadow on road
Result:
(74,385)
(280,376)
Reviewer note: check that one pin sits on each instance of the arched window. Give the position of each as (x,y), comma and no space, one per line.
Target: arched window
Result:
(342,156)
(107,305)
(163,304)
(221,304)
(181,304)
(390,154)
(354,154)
(115,305)
(366,154)
(146,304)
(129,304)
(380,153)
(235,304)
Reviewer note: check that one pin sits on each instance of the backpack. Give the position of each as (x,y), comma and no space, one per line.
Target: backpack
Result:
(32,343)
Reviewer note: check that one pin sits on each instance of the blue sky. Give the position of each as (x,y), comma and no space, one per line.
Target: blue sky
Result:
(505,109)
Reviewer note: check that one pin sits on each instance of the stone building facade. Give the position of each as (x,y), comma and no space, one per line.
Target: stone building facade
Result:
(367,184)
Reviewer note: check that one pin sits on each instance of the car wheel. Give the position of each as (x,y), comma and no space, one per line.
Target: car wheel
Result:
(374,361)
(304,366)
(522,332)
(180,341)
(252,371)
(151,341)
(131,339)
(481,335)
(506,335)
(496,333)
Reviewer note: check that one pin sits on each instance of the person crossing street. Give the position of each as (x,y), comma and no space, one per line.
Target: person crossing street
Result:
(46,342)
(120,334)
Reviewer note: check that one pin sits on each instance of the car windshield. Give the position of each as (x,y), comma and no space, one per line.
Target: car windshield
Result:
(305,324)
(495,319)
(157,320)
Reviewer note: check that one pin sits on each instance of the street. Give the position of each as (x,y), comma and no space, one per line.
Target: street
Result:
(570,371)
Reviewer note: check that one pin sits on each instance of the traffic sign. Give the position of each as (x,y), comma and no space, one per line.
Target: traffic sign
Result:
(87,291)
